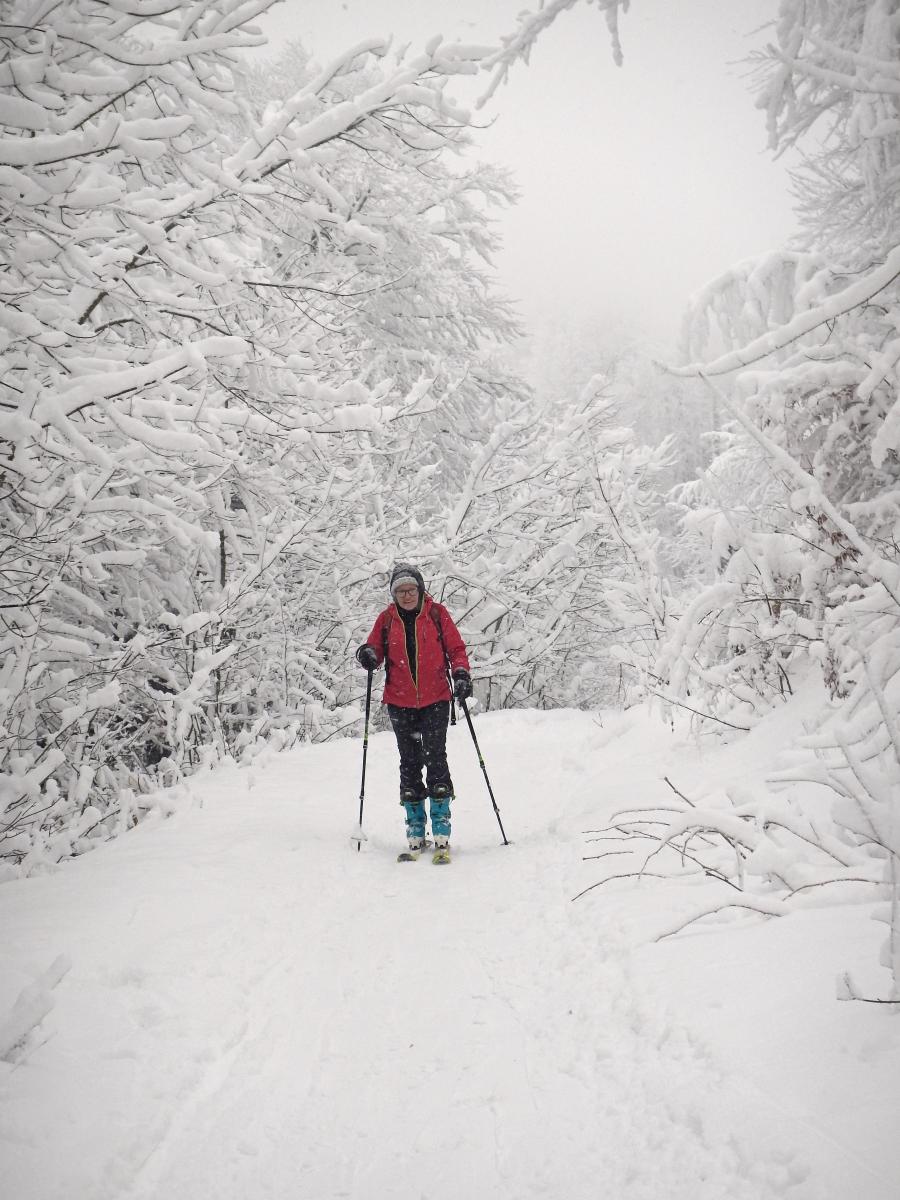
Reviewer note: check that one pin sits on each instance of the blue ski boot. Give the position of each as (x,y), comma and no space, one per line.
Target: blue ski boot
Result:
(440,827)
(415,830)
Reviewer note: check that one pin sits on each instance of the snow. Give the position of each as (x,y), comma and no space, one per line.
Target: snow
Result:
(233,1002)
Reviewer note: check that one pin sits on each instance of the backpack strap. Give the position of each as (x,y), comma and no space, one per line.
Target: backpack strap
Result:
(435,616)
(385,633)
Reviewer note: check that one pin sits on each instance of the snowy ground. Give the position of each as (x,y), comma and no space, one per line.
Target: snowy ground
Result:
(254,1010)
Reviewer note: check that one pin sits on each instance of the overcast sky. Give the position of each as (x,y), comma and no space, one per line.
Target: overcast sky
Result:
(639,183)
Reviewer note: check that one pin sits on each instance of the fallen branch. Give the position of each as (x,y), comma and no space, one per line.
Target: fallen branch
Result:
(697,713)
(846,991)
(610,878)
(757,904)
(680,795)
(31,1006)
(828,882)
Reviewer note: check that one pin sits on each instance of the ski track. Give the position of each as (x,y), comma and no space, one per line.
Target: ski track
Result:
(323,1024)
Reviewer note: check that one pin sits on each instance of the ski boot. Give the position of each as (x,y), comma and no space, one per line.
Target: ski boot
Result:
(414,848)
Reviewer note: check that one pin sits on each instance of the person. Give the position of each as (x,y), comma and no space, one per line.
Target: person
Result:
(421,649)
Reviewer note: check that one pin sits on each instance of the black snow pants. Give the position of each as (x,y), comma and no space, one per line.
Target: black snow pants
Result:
(422,741)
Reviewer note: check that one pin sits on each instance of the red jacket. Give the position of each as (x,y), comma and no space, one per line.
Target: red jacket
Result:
(430,684)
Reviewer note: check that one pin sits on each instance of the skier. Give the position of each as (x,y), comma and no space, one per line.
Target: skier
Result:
(420,647)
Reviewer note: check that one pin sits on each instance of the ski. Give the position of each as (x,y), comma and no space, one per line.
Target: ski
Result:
(439,858)
(412,855)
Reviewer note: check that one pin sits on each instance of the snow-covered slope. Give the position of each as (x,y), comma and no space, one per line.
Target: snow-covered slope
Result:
(254,1010)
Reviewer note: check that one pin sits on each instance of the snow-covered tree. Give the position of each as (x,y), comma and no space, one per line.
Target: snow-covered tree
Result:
(801,508)
(557,526)
(180,412)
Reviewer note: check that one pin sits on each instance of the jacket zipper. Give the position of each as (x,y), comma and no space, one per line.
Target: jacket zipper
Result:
(418,664)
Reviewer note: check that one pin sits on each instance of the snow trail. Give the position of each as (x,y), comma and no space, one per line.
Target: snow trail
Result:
(256,1010)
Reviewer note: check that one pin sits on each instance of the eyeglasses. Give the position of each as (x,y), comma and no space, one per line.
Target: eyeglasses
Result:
(407,591)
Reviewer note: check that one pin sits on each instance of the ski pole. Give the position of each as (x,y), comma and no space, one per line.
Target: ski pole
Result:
(362,785)
(465,709)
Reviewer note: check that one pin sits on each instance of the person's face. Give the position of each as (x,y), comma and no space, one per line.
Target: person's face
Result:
(407,596)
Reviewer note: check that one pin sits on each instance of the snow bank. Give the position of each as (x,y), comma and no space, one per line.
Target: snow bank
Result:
(255,1008)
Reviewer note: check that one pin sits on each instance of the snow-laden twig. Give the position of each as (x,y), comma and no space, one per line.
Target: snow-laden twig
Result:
(518,45)
(858,293)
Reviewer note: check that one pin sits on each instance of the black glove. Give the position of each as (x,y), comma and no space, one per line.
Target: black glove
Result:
(462,684)
(366,657)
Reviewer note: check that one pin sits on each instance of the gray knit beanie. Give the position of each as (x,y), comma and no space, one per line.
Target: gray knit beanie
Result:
(406,573)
